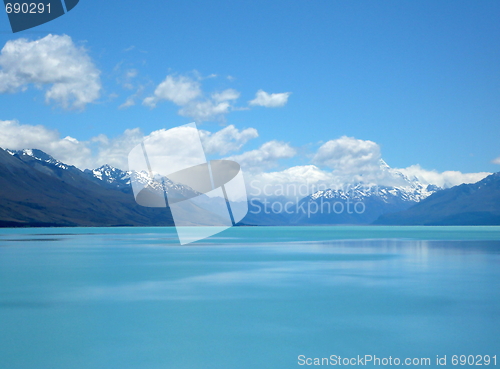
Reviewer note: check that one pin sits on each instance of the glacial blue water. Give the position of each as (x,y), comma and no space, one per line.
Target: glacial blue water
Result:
(250,297)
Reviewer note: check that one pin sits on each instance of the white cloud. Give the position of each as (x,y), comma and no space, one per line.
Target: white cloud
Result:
(113,151)
(186,93)
(128,103)
(226,140)
(127,79)
(348,155)
(18,136)
(131,99)
(82,154)
(265,156)
(225,95)
(267,100)
(496,161)
(298,174)
(131,73)
(295,182)
(352,160)
(178,89)
(101,149)
(206,110)
(214,108)
(445,179)
(53,61)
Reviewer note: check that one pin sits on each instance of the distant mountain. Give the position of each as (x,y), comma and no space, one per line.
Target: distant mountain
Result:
(38,190)
(466,204)
(109,176)
(357,203)
(360,204)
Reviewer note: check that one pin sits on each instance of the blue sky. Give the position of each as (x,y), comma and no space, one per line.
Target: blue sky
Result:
(419,79)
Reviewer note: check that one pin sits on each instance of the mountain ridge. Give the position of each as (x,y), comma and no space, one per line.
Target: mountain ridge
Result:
(38,190)
(466,204)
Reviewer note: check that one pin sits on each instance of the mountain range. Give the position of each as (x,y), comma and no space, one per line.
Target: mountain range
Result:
(356,203)
(466,204)
(38,190)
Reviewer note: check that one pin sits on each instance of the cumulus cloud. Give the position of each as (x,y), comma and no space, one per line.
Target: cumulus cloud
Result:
(496,161)
(268,100)
(226,95)
(226,140)
(445,179)
(295,182)
(353,160)
(202,111)
(219,104)
(178,89)
(112,151)
(349,155)
(102,149)
(359,159)
(186,93)
(55,62)
(298,174)
(18,136)
(265,156)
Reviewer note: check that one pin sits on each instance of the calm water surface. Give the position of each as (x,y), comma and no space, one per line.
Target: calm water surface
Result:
(250,297)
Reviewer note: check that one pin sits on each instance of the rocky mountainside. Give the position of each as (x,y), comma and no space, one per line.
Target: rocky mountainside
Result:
(38,190)
(466,204)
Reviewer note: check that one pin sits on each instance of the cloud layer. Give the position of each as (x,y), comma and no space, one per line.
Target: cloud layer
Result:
(345,160)
(267,100)
(226,140)
(444,179)
(55,62)
(101,149)
(265,157)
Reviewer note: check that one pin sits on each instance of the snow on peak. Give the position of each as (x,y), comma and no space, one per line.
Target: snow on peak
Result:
(39,155)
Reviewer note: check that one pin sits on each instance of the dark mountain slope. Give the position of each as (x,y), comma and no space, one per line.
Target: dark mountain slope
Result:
(467,204)
(35,193)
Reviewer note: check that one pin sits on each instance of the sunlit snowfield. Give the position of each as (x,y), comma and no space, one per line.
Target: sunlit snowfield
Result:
(250,297)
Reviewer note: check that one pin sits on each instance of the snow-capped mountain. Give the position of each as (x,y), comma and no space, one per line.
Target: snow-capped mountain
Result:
(403,188)
(121,179)
(106,175)
(111,176)
(414,192)
(363,203)
(38,190)
(326,206)
(40,156)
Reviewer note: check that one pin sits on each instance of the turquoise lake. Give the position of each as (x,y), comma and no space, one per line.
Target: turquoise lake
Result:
(249,297)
